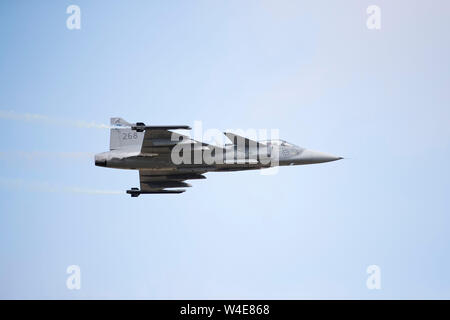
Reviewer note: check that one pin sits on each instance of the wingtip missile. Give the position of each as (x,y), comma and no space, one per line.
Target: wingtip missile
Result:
(135,192)
(140,127)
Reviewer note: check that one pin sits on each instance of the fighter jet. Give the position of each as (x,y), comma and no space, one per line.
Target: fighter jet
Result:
(166,159)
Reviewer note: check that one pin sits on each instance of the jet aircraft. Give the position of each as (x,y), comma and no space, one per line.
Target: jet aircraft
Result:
(166,159)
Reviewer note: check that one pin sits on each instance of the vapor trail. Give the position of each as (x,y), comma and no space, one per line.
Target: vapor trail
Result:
(30,117)
(36,155)
(46,187)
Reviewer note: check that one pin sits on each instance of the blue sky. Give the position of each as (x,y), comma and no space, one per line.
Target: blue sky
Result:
(310,69)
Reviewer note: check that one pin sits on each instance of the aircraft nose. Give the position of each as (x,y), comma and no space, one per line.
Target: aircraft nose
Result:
(311,156)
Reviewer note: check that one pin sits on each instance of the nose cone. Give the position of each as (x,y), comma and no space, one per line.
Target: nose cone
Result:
(310,157)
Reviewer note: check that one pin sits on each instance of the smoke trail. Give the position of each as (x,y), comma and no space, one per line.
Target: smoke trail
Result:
(46,187)
(37,155)
(29,117)
(92,191)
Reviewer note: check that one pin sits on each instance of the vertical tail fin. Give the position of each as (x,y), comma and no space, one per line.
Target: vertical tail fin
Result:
(121,135)
(119,122)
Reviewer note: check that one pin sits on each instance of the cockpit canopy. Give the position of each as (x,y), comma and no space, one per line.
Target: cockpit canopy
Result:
(278,142)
